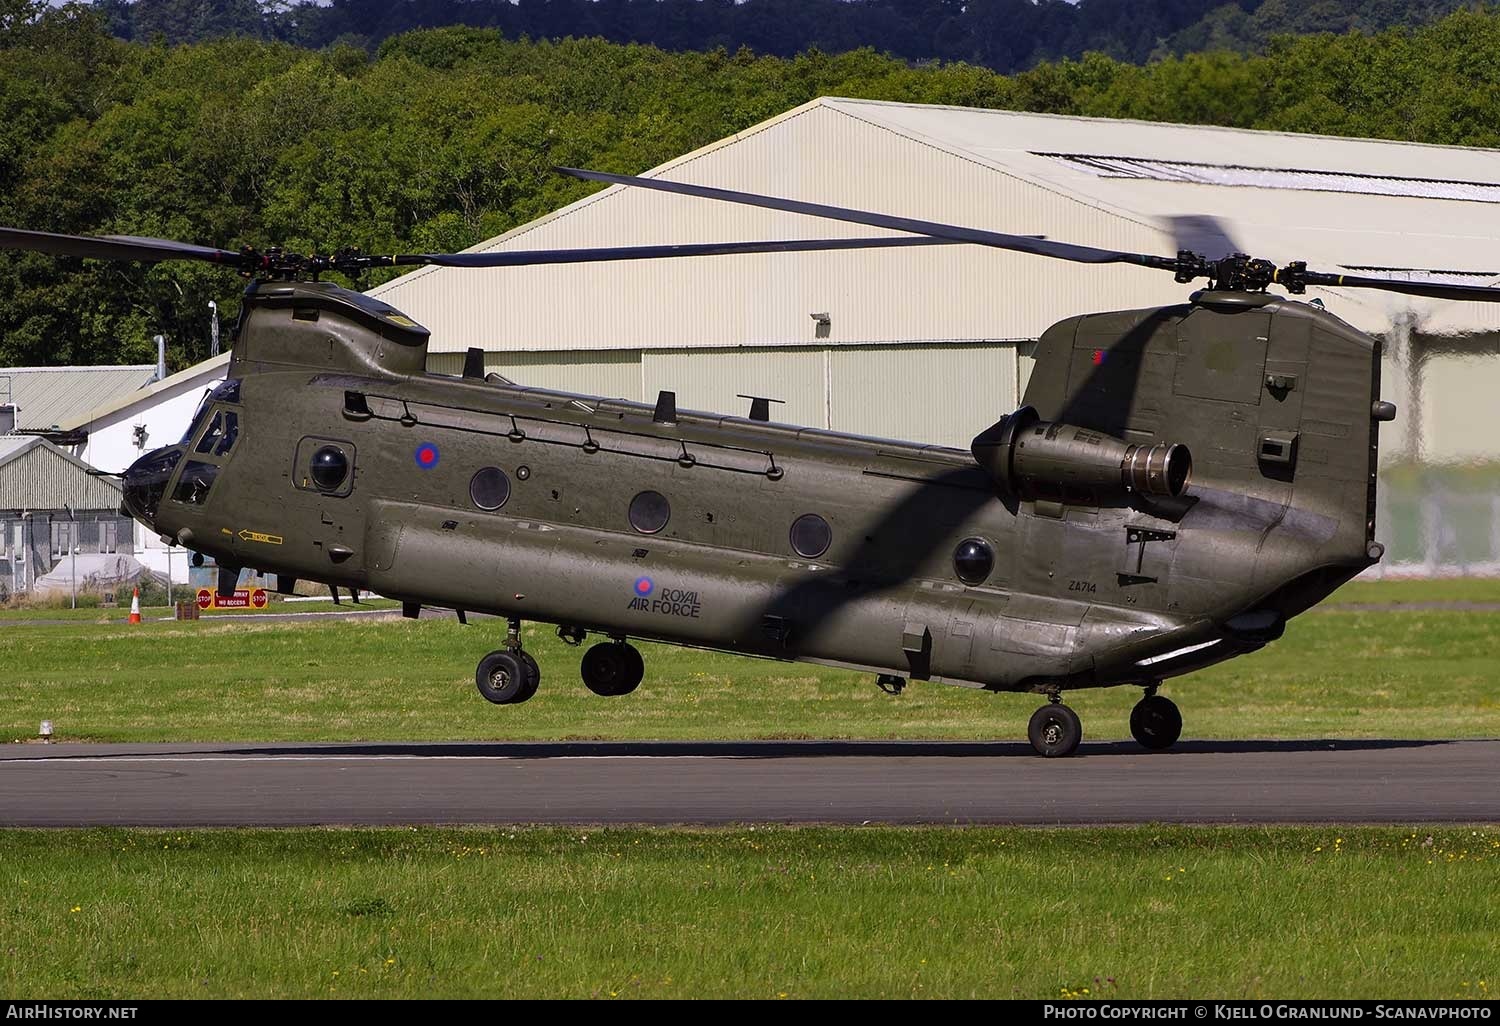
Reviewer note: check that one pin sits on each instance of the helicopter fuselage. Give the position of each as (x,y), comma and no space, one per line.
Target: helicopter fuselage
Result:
(351,465)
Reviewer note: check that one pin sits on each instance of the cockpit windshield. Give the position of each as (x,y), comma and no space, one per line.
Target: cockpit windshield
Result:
(220,436)
(226,391)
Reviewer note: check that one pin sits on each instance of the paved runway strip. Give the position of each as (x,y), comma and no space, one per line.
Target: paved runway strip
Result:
(738,782)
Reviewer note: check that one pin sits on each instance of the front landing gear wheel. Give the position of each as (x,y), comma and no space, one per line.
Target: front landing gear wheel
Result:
(1055,731)
(506,677)
(536,676)
(1156,722)
(612,668)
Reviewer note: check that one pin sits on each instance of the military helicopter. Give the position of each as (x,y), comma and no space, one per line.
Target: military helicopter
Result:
(1178,483)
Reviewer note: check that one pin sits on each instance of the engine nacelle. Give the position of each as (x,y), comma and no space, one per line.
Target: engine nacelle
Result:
(1029,458)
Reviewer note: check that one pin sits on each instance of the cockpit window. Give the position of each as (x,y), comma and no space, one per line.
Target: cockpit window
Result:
(198,418)
(220,436)
(194,483)
(226,391)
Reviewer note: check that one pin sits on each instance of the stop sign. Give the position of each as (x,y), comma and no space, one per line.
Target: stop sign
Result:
(258,598)
(205,598)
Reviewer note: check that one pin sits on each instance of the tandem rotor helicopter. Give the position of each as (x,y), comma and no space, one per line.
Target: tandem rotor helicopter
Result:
(1179,482)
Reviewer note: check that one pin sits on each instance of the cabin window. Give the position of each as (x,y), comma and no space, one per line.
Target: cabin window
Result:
(649,512)
(328,468)
(489,488)
(973,560)
(811,536)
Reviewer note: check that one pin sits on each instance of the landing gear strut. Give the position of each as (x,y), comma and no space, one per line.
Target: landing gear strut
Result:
(509,675)
(612,668)
(1055,730)
(1155,721)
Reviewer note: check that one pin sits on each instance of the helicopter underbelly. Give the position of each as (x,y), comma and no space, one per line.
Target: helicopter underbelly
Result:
(760,605)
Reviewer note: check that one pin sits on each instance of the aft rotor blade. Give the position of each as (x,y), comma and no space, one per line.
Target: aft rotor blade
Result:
(954,233)
(1428,289)
(113,247)
(527,258)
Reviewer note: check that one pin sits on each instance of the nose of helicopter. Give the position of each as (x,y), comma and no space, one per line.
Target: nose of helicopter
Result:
(145,483)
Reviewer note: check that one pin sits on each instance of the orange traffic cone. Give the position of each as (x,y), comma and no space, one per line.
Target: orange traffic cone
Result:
(135,605)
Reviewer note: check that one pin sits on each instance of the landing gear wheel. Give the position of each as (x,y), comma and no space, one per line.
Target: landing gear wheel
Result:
(1055,731)
(506,678)
(612,668)
(1156,722)
(536,676)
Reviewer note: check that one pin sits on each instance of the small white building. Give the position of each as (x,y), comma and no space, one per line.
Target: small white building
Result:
(115,434)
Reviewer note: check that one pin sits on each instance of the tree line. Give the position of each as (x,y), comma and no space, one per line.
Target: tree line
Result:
(440,139)
(1004,35)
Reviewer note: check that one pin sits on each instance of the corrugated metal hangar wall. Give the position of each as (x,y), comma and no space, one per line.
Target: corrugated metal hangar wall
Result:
(868,390)
(933,344)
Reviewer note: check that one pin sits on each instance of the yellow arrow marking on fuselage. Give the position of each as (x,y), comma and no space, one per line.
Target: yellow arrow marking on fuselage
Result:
(256,536)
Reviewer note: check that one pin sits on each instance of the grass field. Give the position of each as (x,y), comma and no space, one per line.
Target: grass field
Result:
(767,913)
(1353,673)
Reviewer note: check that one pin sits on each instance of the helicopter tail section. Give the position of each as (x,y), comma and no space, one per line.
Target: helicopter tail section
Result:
(1278,404)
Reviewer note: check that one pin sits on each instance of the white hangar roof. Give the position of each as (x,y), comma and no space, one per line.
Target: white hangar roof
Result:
(1368,206)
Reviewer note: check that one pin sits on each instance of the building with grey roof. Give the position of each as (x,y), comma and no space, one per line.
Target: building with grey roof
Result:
(37,399)
(50,507)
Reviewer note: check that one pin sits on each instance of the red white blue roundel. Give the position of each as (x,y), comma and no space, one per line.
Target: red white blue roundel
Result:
(426,455)
(643,586)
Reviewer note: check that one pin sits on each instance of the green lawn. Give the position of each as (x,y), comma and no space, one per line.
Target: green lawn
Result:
(1130,913)
(1417,674)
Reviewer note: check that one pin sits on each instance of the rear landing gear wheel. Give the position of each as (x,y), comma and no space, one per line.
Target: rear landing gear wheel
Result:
(1055,731)
(612,668)
(507,678)
(1156,722)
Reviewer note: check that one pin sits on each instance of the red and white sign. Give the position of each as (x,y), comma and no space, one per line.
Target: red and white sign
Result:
(243,598)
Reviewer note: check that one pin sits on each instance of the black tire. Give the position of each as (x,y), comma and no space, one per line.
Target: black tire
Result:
(612,668)
(1156,722)
(1055,731)
(535,680)
(506,678)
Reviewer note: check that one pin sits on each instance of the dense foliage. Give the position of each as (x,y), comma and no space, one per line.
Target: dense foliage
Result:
(1005,35)
(444,138)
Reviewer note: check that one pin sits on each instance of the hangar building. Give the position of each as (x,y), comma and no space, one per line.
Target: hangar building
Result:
(933,343)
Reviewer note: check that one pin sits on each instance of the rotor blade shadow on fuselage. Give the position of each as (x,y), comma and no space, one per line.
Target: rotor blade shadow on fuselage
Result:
(895,546)
(1104,400)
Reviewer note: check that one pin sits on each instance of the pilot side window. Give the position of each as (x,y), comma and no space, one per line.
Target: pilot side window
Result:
(195,482)
(220,436)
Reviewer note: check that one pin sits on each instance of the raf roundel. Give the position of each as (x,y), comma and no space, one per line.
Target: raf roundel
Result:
(643,586)
(426,455)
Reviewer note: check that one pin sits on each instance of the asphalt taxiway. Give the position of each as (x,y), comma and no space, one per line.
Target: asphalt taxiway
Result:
(748,782)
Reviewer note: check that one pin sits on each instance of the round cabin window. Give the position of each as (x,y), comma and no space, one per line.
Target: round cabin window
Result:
(329,468)
(811,536)
(489,488)
(973,560)
(649,512)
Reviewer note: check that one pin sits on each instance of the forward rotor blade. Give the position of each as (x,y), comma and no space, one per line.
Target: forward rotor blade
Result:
(955,233)
(113,247)
(526,258)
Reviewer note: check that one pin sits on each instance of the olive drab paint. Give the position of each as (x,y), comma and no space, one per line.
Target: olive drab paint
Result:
(1103,561)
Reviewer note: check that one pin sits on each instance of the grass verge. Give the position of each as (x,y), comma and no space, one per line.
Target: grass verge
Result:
(1352,674)
(1149,912)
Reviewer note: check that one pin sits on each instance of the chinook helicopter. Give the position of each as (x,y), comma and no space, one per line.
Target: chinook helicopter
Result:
(1178,483)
